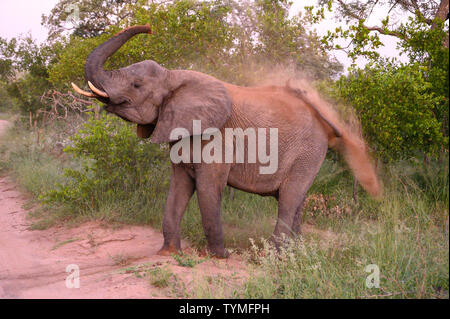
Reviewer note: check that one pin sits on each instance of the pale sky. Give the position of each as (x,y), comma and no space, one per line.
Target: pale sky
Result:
(24,16)
(390,42)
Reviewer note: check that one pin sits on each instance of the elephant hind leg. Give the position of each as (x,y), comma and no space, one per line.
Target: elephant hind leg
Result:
(290,202)
(292,194)
(296,225)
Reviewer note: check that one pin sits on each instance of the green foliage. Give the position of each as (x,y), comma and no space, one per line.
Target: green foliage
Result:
(396,108)
(423,37)
(8,104)
(34,170)
(69,67)
(187,35)
(424,49)
(24,68)
(412,264)
(28,91)
(161,277)
(184,34)
(86,18)
(288,41)
(115,163)
(234,41)
(6,63)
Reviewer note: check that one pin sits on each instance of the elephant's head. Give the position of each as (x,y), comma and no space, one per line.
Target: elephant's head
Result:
(152,96)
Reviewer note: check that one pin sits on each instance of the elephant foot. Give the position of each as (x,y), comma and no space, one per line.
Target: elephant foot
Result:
(169,251)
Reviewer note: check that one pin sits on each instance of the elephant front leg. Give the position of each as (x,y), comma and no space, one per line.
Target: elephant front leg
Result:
(180,192)
(209,187)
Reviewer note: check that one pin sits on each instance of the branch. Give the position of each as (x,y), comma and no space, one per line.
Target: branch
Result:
(393,6)
(79,100)
(419,13)
(385,31)
(374,28)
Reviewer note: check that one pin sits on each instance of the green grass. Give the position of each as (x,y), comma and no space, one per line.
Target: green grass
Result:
(405,234)
(138,270)
(160,276)
(411,253)
(64,242)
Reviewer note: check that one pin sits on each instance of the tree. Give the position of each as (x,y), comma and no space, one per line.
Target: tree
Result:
(234,41)
(25,71)
(86,18)
(187,34)
(271,40)
(396,109)
(422,36)
(6,61)
(364,39)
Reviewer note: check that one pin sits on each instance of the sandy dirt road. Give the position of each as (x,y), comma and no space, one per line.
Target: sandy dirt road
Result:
(33,263)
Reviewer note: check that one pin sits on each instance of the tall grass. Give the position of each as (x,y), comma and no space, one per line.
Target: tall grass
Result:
(34,169)
(405,235)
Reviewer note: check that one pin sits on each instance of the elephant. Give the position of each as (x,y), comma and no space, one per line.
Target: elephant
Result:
(160,100)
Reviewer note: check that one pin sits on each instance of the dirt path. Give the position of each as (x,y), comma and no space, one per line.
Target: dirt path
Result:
(33,262)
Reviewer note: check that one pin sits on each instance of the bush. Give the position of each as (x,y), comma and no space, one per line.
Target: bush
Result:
(114,163)
(396,108)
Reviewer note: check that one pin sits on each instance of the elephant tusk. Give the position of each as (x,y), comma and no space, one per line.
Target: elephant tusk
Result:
(82,92)
(97,91)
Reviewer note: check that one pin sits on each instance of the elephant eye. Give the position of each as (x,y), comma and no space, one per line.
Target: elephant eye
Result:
(136,85)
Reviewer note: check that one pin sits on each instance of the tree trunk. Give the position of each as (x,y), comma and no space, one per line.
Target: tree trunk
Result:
(443,10)
(442,14)
(38,135)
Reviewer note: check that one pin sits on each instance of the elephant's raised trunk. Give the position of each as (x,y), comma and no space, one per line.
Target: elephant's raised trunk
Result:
(93,70)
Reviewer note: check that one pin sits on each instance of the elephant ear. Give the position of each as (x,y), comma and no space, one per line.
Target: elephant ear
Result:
(199,97)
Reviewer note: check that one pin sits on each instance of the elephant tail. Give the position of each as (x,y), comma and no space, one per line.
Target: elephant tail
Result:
(355,153)
(344,139)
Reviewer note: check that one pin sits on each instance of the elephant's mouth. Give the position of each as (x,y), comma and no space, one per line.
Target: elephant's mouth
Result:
(117,109)
(118,104)
(113,107)
(130,113)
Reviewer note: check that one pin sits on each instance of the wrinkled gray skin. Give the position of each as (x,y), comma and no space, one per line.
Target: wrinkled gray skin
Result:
(161,100)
